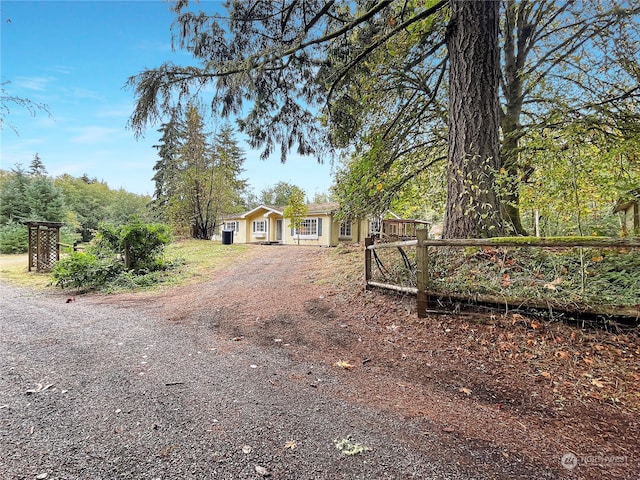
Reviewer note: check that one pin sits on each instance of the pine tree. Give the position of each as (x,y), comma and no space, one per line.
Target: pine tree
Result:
(167,167)
(37,168)
(44,200)
(13,197)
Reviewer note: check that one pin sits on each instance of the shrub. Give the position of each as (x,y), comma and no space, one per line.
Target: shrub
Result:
(139,244)
(14,238)
(85,271)
(119,258)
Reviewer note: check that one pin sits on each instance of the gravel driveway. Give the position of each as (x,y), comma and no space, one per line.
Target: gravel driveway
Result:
(120,387)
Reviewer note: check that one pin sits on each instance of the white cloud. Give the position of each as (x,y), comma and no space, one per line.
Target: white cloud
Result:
(61,69)
(33,83)
(95,134)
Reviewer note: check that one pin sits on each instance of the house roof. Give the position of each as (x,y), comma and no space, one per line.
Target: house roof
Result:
(328,208)
(268,210)
(632,197)
(312,208)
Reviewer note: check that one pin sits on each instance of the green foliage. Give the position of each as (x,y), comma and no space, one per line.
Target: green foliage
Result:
(13,238)
(371,77)
(13,200)
(138,244)
(90,202)
(86,271)
(197,180)
(575,277)
(44,200)
(279,194)
(296,210)
(585,172)
(26,197)
(119,256)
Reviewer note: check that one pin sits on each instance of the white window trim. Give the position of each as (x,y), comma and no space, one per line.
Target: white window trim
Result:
(375,226)
(259,233)
(347,228)
(312,236)
(236,225)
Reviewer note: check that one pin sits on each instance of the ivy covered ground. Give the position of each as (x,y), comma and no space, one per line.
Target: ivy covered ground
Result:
(595,280)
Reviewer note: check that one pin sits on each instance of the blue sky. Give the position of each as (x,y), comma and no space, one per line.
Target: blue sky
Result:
(75,57)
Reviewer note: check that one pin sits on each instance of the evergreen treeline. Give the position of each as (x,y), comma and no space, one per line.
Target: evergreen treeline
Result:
(81,203)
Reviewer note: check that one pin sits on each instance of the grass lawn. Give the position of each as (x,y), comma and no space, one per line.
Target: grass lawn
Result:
(201,258)
(15,269)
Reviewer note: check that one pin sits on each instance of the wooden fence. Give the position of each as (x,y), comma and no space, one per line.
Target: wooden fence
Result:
(422,244)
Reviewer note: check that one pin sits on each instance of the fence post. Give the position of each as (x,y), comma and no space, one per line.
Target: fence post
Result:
(422,272)
(367,261)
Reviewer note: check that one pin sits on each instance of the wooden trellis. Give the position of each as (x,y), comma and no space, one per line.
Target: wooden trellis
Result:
(44,245)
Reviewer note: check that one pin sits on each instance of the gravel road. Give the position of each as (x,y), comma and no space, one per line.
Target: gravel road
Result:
(107,390)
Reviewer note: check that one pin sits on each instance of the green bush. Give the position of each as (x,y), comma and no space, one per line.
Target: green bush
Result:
(85,271)
(139,244)
(14,238)
(124,257)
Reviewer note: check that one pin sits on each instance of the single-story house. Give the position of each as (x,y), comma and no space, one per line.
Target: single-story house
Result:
(630,210)
(266,224)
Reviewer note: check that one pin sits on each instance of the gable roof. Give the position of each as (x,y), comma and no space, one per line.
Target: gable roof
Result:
(267,208)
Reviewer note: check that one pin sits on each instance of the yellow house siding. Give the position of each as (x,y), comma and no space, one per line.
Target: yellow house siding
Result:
(328,234)
(323,227)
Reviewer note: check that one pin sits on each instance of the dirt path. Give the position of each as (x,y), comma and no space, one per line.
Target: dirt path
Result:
(174,385)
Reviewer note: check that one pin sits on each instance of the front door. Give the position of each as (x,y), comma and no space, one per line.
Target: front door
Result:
(278,230)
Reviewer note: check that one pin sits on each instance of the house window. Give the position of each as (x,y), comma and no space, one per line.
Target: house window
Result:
(308,229)
(259,228)
(345,229)
(374,226)
(235,226)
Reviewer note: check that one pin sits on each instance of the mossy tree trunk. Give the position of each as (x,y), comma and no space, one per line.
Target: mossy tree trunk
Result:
(472,209)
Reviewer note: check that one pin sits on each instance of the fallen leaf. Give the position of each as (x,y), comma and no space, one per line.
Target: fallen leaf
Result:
(598,258)
(588,361)
(465,390)
(562,354)
(597,383)
(545,374)
(506,280)
(349,447)
(262,471)
(291,445)
(246,449)
(343,364)
(536,325)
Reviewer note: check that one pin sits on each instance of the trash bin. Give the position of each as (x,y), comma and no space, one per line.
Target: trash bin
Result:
(227,237)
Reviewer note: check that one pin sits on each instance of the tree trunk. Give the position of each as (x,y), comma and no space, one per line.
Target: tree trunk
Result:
(474,149)
(516,18)
(509,193)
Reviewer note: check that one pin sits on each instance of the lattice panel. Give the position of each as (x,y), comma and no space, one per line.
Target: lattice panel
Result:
(44,250)
(33,248)
(48,249)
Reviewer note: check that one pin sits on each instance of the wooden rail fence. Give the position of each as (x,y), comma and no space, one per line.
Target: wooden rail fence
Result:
(422,244)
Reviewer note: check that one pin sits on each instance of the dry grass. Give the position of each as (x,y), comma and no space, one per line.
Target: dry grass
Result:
(15,269)
(200,259)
